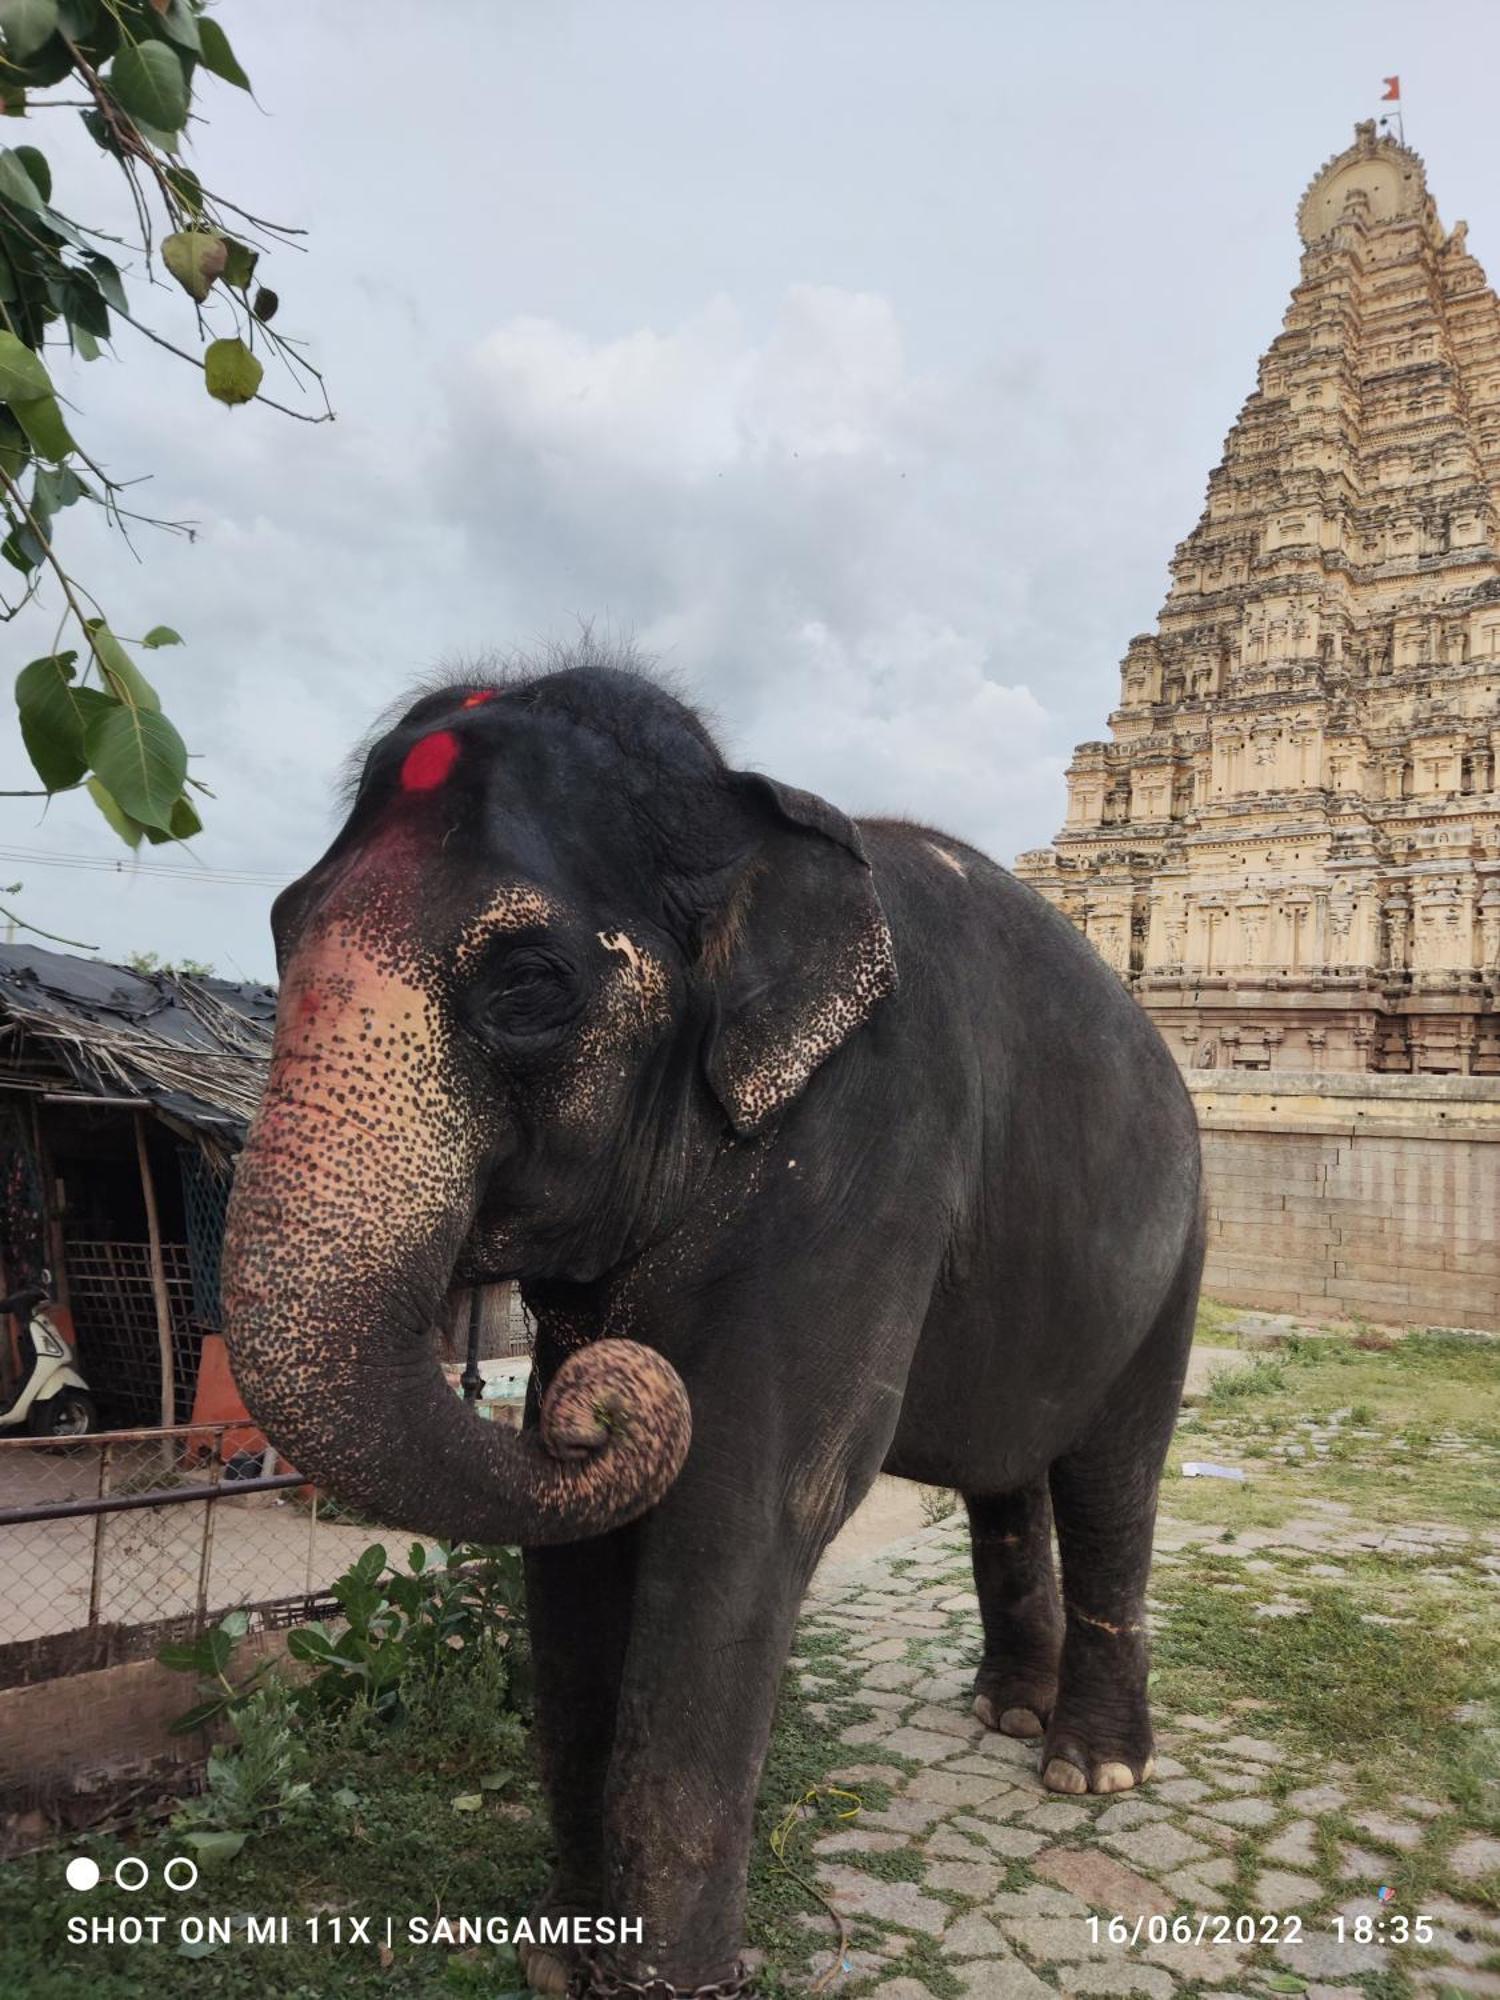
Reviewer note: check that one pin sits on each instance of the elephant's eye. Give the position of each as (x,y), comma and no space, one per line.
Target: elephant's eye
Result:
(532,992)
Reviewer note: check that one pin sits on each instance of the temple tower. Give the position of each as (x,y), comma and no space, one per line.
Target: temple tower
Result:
(1290,845)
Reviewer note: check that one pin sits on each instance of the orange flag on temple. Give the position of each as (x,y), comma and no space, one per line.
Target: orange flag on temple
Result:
(1392,89)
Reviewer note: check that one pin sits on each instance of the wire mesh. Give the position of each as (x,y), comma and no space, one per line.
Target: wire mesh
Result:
(195,1558)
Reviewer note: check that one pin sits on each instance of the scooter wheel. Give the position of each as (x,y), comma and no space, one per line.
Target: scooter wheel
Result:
(70,1413)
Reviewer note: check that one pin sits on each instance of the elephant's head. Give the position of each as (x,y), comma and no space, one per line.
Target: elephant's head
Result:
(558,958)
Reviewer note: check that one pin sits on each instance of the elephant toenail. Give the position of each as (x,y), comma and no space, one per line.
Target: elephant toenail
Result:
(1061,1776)
(1114,1778)
(545,1972)
(1021,1722)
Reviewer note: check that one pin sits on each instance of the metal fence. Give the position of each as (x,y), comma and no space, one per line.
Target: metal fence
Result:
(126,1530)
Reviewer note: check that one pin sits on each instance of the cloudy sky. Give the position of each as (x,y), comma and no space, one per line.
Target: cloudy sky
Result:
(862,361)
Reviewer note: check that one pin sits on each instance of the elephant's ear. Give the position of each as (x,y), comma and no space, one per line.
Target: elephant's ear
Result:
(800,956)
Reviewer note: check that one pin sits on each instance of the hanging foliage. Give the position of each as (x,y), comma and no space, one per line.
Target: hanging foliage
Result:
(89,717)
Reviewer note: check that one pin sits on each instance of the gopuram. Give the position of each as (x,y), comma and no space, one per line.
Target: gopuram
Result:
(1290,845)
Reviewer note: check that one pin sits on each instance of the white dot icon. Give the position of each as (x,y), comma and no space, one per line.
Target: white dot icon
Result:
(83,1873)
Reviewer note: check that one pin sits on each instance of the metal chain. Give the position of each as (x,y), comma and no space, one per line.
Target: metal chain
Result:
(591,1980)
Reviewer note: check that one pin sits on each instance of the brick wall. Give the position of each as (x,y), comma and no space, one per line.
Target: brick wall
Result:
(1369,1195)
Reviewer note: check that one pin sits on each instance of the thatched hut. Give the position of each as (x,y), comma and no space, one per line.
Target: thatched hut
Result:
(123,1099)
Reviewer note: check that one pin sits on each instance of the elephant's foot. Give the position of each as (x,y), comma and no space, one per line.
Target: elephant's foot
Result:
(1078,1759)
(1015,1705)
(548,1968)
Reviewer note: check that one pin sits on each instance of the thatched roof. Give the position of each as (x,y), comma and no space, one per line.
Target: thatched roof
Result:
(196,1050)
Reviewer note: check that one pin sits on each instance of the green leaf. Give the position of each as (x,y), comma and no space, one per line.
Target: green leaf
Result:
(468,1802)
(42,422)
(55,716)
(143,760)
(217,1642)
(107,278)
(22,375)
(129,830)
(266,302)
(122,673)
(84,342)
(183,824)
(27,24)
(23,549)
(239,265)
(15,452)
(210,1847)
(148,82)
(235,1623)
(195,257)
(55,487)
(161,635)
(231,372)
(16,185)
(84,308)
(197,1716)
(50,64)
(12,100)
(36,166)
(187,187)
(311,1647)
(180,24)
(182,1656)
(217,55)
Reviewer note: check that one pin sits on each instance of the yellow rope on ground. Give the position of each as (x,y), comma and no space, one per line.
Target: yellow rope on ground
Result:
(800,1809)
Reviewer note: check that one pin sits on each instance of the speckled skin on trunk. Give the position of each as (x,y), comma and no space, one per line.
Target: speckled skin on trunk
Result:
(839,1126)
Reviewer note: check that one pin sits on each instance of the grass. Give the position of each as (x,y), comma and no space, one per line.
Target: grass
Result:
(1397,1710)
(1403,1709)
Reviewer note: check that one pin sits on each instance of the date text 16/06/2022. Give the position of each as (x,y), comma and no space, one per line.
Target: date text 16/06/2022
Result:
(1394,1927)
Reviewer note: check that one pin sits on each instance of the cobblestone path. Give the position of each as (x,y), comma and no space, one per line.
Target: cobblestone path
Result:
(961,1877)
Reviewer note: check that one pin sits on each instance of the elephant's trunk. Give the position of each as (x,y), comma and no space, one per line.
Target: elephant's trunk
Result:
(350,1204)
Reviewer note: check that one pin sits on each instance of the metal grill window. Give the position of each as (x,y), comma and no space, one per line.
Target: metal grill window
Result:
(114,1315)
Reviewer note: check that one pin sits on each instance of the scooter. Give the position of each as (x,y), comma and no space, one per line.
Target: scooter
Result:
(52,1399)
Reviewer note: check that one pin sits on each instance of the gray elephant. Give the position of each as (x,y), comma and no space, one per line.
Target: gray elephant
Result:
(836,1125)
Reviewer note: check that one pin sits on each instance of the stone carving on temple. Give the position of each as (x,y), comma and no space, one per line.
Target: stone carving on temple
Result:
(1290,845)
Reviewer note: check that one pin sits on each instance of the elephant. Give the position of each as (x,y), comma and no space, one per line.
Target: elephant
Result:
(816,1147)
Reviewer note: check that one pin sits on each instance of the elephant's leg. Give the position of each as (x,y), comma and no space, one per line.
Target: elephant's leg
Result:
(716,1614)
(1104,1502)
(578,1611)
(1011,1534)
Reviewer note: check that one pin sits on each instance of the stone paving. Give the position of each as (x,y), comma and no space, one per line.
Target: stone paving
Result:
(960,1876)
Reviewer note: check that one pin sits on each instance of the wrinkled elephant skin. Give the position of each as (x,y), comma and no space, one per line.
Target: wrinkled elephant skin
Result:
(837,1125)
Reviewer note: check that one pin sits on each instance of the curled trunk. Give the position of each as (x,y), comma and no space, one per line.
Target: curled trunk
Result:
(349,1207)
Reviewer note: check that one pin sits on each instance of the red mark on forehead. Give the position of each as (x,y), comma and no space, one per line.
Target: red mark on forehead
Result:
(477,697)
(429,762)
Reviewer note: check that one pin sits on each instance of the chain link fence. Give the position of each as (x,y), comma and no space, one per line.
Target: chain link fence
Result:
(110,1543)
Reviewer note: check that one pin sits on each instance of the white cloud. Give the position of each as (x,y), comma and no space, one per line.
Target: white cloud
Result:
(783,521)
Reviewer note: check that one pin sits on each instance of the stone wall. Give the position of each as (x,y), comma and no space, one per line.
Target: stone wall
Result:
(1340,1195)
